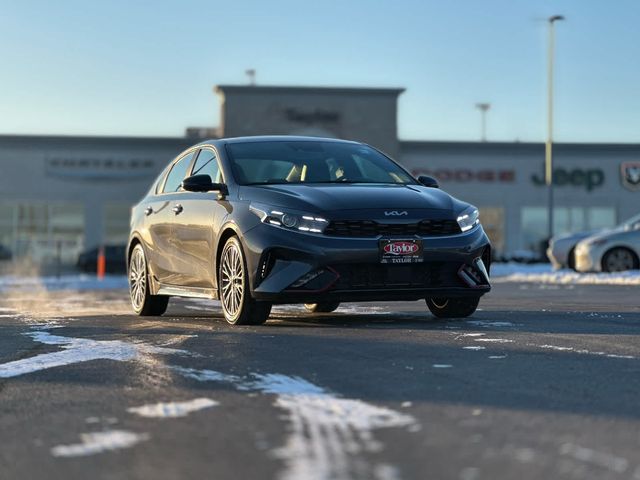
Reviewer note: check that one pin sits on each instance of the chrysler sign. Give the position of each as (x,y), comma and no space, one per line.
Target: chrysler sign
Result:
(100,168)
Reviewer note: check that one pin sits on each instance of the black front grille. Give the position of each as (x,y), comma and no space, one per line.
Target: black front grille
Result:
(369,228)
(384,276)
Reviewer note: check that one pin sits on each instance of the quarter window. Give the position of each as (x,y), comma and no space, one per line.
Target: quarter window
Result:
(206,164)
(177,174)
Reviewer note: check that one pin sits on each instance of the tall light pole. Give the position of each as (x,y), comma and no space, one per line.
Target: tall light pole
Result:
(548,157)
(483,107)
(251,73)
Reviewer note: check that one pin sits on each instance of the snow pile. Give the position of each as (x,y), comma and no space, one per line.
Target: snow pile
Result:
(544,273)
(65,282)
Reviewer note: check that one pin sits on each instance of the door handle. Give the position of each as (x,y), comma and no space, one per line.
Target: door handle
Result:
(148,211)
(177,209)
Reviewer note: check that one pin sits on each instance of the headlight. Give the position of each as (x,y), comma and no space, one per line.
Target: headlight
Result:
(596,242)
(468,219)
(302,222)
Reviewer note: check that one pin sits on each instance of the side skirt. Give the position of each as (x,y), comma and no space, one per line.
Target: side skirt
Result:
(193,292)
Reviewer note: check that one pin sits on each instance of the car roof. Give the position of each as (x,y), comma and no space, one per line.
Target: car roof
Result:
(273,138)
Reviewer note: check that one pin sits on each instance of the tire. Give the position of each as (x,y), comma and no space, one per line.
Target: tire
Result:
(233,285)
(322,307)
(144,304)
(452,307)
(571,259)
(619,259)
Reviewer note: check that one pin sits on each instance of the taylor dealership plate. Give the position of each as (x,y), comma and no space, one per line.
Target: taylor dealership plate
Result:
(401,251)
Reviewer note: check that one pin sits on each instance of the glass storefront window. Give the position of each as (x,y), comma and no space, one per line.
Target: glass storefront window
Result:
(601,217)
(116,223)
(39,231)
(533,222)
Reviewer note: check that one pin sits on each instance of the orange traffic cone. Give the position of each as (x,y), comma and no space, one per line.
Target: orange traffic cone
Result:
(102,264)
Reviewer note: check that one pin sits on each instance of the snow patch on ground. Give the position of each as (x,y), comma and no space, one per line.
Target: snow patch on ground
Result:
(327,434)
(77,350)
(544,273)
(493,340)
(485,324)
(98,442)
(601,459)
(173,409)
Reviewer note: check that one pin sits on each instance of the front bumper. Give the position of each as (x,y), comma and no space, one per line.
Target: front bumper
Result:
(588,259)
(291,267)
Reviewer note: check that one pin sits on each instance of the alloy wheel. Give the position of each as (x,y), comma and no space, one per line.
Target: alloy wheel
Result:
(619,260)
(137,278)
(232,280)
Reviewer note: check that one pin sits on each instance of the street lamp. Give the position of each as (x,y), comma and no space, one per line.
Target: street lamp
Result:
(483,107)
(251,73)
(548,162)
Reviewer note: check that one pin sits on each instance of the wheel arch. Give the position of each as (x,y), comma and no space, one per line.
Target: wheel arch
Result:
(227,231)
(133,241)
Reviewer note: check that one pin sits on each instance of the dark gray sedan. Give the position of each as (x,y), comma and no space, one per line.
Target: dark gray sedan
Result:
(263,220)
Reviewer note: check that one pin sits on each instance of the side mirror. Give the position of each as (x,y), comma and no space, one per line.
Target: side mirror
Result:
(428,181)
(203,183)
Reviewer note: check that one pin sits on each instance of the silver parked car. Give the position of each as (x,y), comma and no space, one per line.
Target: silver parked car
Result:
(611,251)
(562,247)
(561,251)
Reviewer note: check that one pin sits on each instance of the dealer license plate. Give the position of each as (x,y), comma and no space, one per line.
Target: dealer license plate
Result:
(401,251)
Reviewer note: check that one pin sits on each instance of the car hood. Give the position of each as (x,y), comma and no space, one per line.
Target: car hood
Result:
(335,197)
(618,234)
(574,237)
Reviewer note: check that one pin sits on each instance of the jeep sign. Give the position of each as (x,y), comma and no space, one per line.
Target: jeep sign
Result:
(577,177)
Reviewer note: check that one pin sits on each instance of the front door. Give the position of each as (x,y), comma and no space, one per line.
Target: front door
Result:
(195,226)
(164,252)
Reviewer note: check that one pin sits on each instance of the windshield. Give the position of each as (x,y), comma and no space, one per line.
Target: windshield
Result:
(263,163)
(632,223)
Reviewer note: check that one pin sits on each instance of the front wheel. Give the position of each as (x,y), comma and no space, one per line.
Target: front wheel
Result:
(452,307)
(322,307)
(233,282)
(143,303)
(619,259)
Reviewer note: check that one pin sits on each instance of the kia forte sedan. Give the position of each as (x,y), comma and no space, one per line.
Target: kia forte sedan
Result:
(259,221)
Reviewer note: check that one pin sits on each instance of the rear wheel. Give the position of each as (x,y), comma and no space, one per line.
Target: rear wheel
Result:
(322,307)
(571,259)
(452,307)
(619,259)
(237,305)
(143,303)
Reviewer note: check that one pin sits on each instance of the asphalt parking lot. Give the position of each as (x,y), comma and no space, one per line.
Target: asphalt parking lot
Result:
(542,382)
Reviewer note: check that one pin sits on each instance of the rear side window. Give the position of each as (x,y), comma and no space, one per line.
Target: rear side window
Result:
(206,164)
(177,174)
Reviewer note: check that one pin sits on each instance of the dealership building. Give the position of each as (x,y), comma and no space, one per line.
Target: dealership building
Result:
(72,193)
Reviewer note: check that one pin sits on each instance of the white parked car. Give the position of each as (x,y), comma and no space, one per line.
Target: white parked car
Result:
(611,251)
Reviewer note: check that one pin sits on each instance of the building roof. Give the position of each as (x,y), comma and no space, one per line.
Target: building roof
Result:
(489,147)
(309,90)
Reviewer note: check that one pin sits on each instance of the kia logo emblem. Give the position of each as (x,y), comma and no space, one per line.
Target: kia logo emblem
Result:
(401,248)
(395,213)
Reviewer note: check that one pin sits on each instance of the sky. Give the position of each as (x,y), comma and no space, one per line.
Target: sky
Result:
(148,67)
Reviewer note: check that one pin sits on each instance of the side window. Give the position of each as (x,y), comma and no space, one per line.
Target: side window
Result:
(157,188)
(206,164)
(177,174)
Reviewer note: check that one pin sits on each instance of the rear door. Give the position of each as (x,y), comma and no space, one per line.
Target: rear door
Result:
(194,227)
